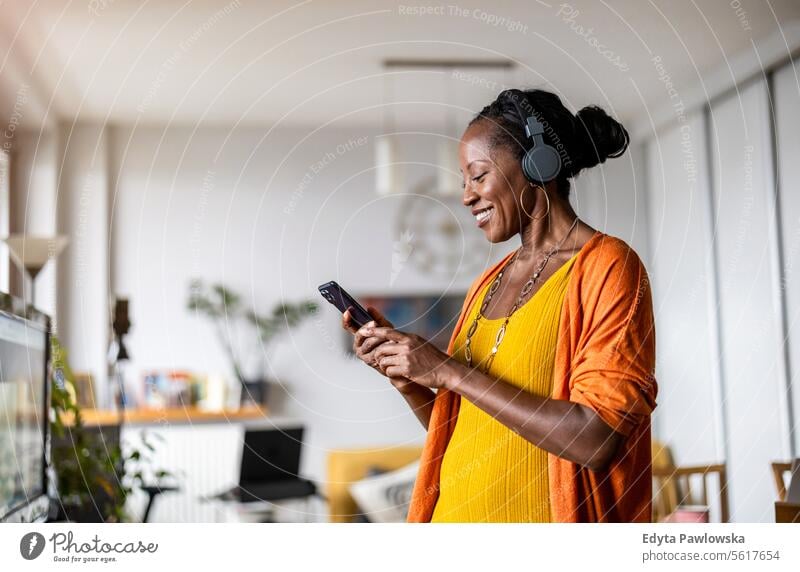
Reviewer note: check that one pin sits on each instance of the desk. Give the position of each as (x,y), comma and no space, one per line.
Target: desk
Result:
(309,509)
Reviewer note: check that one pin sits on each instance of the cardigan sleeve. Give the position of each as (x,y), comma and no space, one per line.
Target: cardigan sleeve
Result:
(613,365)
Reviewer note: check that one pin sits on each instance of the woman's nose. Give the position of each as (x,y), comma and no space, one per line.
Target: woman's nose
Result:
(470,196)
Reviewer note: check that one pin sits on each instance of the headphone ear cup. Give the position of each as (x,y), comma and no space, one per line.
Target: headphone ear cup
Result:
(541,164)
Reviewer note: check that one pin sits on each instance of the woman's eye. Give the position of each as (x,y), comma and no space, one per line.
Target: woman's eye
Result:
(476,179)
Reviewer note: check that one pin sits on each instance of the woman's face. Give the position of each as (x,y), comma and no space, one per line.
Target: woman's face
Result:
(495,188)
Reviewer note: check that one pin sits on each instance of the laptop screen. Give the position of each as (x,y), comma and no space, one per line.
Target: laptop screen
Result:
(271,455)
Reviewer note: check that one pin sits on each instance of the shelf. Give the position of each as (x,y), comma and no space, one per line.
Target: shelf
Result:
(170,416)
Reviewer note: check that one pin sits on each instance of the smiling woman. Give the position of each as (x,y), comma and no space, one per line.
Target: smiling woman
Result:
(539,411)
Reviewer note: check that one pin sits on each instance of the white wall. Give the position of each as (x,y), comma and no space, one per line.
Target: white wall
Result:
(787,126)
(33,200)
(612,197)
(690,414)
(4,220)
(82,215)
(752,350)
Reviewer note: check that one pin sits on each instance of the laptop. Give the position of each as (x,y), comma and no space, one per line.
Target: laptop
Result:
(271,465)
(270,455)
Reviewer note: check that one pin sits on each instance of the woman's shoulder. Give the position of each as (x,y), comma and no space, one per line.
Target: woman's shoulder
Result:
(606,251)
(608,260)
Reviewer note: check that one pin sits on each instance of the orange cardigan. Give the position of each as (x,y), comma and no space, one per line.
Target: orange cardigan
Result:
(605,360)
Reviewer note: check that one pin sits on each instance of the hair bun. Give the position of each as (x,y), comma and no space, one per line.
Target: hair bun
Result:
(602,137)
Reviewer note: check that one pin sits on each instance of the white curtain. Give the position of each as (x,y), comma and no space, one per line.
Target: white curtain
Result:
(689,415)
(787,127)
(748,265)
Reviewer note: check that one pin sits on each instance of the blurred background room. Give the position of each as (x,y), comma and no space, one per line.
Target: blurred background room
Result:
(176,179)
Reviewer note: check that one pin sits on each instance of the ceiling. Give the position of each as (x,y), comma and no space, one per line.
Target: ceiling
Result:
(304,62)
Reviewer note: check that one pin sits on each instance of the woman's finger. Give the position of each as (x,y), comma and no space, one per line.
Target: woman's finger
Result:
(385,349)
(370,344)
(393,371)
(347,322)
(386,333)
(361,334)
(386,361)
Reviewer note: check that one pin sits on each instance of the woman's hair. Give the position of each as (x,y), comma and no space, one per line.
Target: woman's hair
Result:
(583,140)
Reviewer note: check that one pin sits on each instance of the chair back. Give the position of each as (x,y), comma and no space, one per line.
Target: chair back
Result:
(780,470)
(665,489)
(674,487)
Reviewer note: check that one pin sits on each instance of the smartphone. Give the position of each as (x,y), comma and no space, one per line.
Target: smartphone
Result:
(339,297)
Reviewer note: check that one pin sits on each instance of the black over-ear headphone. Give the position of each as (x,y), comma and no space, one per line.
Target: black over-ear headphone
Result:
(542,162)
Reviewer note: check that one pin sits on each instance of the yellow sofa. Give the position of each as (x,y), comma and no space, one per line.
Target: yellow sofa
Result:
(347,466)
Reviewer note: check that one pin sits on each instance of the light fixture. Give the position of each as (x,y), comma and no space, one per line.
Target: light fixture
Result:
(448,183)
(388,175)
(388,171)
(32,253)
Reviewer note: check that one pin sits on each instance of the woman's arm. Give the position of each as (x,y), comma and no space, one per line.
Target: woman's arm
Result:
(420,399)
(563,428)
(566,429)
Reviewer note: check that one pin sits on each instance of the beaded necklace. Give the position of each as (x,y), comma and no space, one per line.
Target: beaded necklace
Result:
(526,288)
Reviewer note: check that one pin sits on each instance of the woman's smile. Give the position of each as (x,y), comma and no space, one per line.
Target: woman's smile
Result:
(482,216)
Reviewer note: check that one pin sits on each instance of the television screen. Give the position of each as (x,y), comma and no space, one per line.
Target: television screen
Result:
(23,415)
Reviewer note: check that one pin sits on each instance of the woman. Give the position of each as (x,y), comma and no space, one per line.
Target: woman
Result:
(540,409)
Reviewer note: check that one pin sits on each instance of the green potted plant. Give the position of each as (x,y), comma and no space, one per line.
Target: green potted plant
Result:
(93,476)
(224,308)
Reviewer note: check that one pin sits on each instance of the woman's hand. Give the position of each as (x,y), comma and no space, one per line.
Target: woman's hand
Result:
(378,320)
(409,356)
(364,346)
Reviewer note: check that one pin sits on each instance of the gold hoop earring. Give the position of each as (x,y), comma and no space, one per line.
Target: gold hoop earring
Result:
(546,212)
(547,198)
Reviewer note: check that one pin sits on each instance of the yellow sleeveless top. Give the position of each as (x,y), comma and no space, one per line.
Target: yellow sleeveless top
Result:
(489,473)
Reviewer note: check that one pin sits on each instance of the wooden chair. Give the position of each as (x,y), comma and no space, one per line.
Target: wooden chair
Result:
(672,485)
(785,511)
(665,491)
(779,471)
